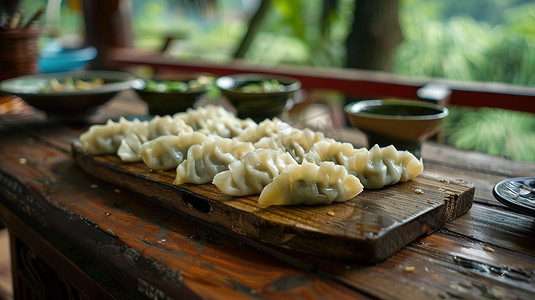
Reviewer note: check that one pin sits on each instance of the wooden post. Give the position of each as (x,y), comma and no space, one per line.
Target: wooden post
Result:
(108,24)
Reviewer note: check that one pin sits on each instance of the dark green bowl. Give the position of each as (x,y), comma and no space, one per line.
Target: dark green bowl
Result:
(258,105)
(167,102)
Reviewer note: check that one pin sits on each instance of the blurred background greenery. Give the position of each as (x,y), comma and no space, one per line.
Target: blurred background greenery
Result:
(477,40)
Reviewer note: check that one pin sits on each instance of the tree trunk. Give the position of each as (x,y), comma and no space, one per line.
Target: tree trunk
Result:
(374,36)
(252,28)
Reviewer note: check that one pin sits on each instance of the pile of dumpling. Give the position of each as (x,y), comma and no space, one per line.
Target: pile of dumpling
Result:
(284,164)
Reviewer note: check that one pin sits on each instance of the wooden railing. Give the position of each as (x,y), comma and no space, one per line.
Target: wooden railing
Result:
(357,83)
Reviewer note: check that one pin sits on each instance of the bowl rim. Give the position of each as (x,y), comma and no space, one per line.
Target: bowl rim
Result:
(294,83)
(139,85)
(81,54)
(354,108)
(124,80)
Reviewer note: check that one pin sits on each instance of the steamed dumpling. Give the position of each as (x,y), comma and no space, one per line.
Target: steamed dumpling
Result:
(228,128)
(266,128)
(168,151)
(158,126)
(131,146)
(214,120)
(331,150)
(310,184)
(166,125)
(295,141)
(253,172)
(106,138)
(204,161)
(380,167)
(195,116)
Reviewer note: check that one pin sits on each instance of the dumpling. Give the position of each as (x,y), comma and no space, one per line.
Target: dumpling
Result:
(106,138)
(166,125)
(193,115)
(130,146)
(331,150)
(253,172)
(204,161)
(380,167)
(168,151)
(214,119)
(266,128)
(310,184)
(295,141)
(156,127)
(226,127)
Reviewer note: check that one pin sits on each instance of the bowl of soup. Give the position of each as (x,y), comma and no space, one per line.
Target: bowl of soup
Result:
(402,123)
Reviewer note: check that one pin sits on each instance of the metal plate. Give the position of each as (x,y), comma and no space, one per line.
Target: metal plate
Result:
(517,193)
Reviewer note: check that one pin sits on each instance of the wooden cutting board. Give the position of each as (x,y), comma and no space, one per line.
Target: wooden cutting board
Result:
(367,229)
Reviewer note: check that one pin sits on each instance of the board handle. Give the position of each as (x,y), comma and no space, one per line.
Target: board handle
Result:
(196,203)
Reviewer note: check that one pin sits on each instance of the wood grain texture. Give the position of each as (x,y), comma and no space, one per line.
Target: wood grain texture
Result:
(367,229)
(146,247)
(153,250)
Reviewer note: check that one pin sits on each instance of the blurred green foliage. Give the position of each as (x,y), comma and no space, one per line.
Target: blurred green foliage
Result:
(462,48)
(495,131)
(477,40)
(441,44)
(196,32)
(69,22)
(296,33)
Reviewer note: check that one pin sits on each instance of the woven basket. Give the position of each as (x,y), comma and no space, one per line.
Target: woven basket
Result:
(19,52)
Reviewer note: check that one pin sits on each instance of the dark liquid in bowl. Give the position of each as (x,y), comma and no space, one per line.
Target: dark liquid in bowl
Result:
(401,110)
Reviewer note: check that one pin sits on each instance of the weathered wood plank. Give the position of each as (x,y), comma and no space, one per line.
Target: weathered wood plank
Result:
(481,170)
(148,246)
(476,161)
(172,241)
(439,266)
(483,182)
(368,228)
(497,226)
(144,244)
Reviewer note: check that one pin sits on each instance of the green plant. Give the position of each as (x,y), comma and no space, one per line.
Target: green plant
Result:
(462,48)
(457,46)
(303,32)
(500,132)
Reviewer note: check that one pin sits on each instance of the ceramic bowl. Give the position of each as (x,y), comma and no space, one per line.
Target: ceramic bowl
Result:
(60,101)
(402,123)
(166,96)
(65,60)
(259,96)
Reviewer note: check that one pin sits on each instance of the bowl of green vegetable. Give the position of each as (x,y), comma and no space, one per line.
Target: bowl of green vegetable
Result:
(168,95)
(259,96)
(68,95)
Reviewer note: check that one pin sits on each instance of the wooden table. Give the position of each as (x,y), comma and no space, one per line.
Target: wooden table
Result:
(75,236)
